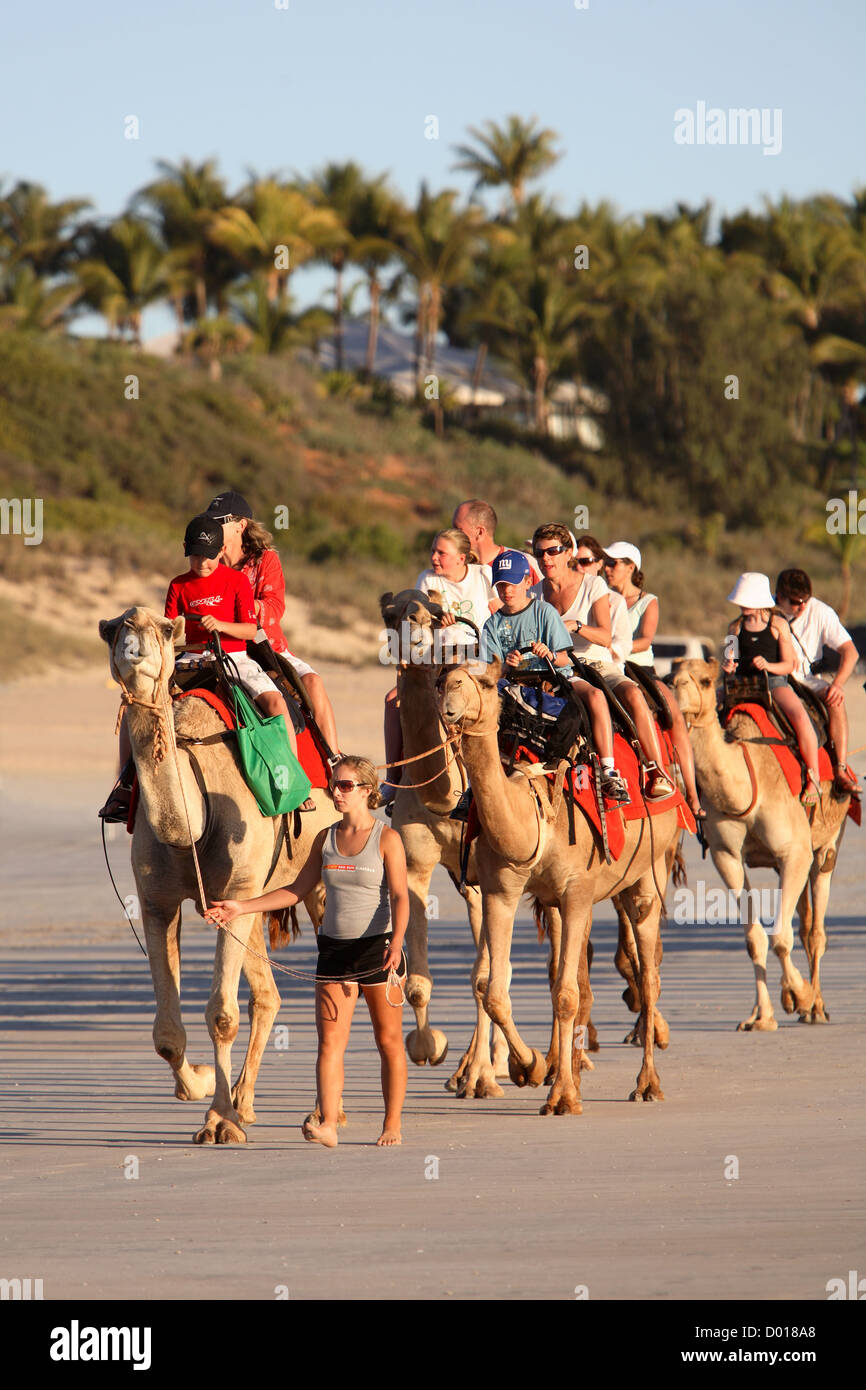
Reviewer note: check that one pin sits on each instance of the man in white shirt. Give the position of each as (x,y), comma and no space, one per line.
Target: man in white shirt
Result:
(478,521)
(814,626)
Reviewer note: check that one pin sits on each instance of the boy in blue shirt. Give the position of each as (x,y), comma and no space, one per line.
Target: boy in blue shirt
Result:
(522,622)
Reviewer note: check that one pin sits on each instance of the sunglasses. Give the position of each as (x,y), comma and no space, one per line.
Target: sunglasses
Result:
(344,786)
(549,550)
(584,560)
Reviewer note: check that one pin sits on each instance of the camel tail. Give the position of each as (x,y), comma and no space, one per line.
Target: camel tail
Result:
(680,877)
(539,912)
(283,928)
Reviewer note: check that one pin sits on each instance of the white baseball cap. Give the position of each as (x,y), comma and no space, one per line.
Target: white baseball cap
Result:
(752,590)
(621,550)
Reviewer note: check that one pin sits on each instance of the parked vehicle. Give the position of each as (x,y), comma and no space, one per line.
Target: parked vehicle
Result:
(667,650)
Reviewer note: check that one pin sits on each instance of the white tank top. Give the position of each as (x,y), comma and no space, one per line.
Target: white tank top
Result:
(635,613)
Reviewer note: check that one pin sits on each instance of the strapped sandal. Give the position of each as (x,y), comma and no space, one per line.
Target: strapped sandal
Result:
(116,809)
(810,795)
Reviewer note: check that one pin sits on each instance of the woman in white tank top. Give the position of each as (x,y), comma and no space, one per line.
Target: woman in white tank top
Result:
(622,568)
(363,866)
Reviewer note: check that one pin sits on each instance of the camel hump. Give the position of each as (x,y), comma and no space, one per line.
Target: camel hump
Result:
(195,718)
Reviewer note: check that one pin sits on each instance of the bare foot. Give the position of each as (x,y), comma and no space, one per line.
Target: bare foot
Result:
(389,1137)
(320,1134)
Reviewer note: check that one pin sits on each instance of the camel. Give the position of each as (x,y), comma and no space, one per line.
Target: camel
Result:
(524,847)
(421,816)
(761,825)
(235,845)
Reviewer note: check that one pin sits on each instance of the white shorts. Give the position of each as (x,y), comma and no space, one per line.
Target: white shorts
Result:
(815,683)
(253,679)
(300,666)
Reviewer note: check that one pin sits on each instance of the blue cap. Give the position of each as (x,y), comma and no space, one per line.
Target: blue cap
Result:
(511,567)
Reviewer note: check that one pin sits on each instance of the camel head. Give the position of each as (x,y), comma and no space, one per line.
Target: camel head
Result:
(694,686)
(141,649)
(413,617)
(469,692)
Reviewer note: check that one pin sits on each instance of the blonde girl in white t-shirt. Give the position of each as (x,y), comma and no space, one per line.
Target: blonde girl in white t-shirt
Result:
(459,584)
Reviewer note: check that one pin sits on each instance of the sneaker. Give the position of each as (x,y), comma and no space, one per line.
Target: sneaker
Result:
(116,809)
(461,810)
(613,786)
(658,786)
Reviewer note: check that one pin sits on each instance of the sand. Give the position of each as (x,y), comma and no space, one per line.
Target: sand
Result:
(746,1183)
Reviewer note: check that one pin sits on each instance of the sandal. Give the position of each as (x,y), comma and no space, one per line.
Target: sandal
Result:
(116,809)
(811,793)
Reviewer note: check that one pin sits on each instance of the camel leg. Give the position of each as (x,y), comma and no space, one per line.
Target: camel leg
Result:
(728,861)
(564,1095)
(423,1044)
(793,876)
(647,907)
(582,1041)
(525,1064)
(812,929)
(554,931)
(478,1081)
(264,1005)
(162,934)
(500,1047)
(222,1123)
(628,965)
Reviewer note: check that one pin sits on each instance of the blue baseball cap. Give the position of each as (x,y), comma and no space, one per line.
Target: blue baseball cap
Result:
(511,567)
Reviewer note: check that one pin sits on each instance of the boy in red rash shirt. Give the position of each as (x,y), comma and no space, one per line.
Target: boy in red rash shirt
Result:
(214,598)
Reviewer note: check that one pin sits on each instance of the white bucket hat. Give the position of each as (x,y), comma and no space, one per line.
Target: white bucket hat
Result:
(621,550)
(752,590)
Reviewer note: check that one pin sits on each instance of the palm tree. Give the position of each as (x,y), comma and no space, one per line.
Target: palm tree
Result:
(28,302)
(509,156)
(35,231)
(266,216)
(436,244)
(181,205)
(122,271)
(341,188)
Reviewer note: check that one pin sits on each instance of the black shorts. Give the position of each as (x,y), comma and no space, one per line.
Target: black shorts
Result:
(349,959)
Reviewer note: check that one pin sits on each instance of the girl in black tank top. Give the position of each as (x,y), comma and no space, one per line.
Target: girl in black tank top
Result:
(763,644)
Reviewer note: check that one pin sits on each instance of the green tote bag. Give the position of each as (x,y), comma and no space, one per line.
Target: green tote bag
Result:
(271,770)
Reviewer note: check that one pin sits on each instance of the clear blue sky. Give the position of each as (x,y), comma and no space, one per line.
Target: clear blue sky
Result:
(287,89)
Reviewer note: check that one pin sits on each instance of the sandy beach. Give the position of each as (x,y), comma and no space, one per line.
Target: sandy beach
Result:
(104,1196)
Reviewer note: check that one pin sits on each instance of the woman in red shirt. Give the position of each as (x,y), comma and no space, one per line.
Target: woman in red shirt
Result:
(247,547)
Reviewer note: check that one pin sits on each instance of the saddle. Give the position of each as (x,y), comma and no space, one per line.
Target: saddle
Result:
(755,689)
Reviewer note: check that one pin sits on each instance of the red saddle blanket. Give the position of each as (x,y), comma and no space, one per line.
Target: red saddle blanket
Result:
(583,785)
(788,760)
(311,759)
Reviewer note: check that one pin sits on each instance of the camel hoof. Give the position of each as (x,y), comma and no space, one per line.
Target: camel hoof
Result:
(205,1135)
(229,1133)
(661,1032)
(246,1117)
(652,1091)
(204,1085)
(484,1087)
(531,1074)
(757,1025)
(585,1064)
(425,1046)
(565,1105)
(633,1037)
